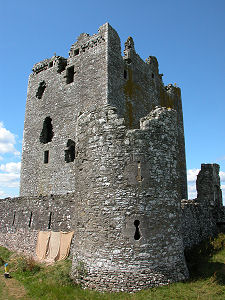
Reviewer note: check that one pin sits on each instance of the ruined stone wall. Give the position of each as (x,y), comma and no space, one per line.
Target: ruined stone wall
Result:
(22,218)
(202,217)
(198,223)
(128,210)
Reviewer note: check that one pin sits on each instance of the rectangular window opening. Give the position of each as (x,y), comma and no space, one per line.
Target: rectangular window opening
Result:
(70,75)
(46,156)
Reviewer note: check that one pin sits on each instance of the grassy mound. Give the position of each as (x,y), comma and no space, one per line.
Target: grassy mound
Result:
(206,264)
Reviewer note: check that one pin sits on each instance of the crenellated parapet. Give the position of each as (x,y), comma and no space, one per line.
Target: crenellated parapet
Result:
(84,43)
(56,61)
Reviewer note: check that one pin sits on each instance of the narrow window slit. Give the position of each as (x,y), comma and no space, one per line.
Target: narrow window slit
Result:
(30,221)
(50,220)
(139,177)
(125,74)
(14,217)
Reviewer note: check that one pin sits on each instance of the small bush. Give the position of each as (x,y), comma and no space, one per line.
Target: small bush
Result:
(218,243)
(198,257)
(206,248)
(27,265)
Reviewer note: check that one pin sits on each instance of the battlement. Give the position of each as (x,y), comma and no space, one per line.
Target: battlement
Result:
(95,74)
(56,61)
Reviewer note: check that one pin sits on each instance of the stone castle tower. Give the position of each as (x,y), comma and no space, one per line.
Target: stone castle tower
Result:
(103,127)
(104,156)
(61,92)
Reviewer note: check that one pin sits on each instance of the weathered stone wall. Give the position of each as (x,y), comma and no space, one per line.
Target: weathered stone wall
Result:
(198,223)
(202,217)
(106,254)
(127,177)
(62,102)
(61,89)
(22,218)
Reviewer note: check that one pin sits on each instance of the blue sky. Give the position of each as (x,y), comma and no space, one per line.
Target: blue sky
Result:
(187,37)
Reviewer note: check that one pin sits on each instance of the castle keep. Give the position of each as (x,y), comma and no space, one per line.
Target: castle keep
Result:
(104,156)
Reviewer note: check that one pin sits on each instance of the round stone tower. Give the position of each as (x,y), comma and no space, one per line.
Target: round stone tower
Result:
(127,219)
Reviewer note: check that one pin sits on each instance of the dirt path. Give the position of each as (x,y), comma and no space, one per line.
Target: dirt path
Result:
(12,289)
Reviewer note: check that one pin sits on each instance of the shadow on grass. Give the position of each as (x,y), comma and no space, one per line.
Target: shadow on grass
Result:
(200,263)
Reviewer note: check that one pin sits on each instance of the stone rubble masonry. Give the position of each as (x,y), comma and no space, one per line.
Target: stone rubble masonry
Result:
(135,180)
(100,75)
(204,216)
(22,218)
(104,156)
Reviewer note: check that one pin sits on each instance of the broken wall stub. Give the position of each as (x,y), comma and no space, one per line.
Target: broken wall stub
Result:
(204,216)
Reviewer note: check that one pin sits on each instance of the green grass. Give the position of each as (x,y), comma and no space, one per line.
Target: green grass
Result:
(206,264)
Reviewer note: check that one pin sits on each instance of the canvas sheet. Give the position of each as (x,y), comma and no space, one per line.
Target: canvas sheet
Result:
(42,244)
(54,244)
(65,242)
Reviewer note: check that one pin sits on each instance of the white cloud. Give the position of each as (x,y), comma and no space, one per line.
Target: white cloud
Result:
(222,176)
(191,179)
(223,190)
(9,180)
(10,176)
(192,193)
(192,175)
(11,167)
(7,141)
(2,193)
